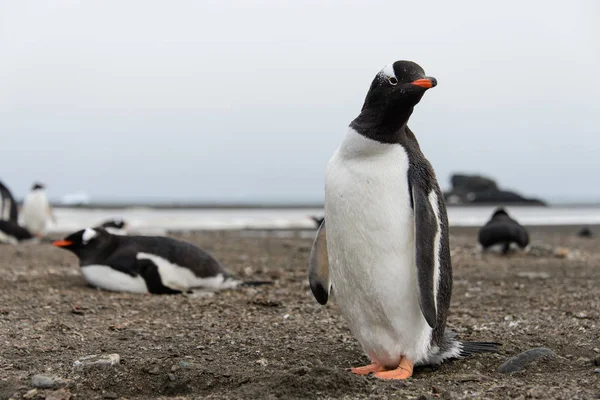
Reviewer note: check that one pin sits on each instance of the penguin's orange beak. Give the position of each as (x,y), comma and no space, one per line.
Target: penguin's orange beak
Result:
(62,243)
(426,83)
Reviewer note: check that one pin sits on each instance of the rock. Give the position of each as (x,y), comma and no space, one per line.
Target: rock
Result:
(521,361)
(184,364)
(47,382)
(31,394)
(97,361)
(561,252)
(533,275)
(110,395)
(585,232)
(171,377)
(597,371)
(262,362)
(301,371)
(476,189)
(61,394)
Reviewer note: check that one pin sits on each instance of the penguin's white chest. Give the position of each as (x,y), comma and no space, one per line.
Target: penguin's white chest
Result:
(370,241)
(34,215)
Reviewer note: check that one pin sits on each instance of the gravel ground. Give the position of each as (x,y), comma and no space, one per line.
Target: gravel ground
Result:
(277,342)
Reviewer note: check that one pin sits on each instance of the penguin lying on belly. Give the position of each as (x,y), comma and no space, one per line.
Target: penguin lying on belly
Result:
(12,233)
(383,245)
(147,264)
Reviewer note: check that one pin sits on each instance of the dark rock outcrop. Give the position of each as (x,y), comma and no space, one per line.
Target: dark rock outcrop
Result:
(480,190)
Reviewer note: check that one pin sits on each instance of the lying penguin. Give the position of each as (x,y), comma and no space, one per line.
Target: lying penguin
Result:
(501,230)
(12,233)
(8,206)
(384,246)
(115,226)
(147,264)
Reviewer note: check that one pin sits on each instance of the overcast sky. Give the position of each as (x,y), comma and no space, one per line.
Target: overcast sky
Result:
(247,100)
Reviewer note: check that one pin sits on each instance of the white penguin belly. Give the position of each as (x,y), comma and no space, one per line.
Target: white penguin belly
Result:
(370,240)
(105,277)
(34,215)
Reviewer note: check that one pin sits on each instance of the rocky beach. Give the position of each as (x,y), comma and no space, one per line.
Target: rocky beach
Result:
(61,339)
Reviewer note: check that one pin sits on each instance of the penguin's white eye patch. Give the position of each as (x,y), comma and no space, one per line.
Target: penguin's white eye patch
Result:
(393,81)
(88,235)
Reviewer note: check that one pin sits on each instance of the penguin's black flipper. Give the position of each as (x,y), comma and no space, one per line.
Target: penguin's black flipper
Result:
(426,228)
(318,267)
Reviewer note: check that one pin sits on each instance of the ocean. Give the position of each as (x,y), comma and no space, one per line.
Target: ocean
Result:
(159,220)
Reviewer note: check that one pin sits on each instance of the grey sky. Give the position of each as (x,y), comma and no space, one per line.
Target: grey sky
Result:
(247,100)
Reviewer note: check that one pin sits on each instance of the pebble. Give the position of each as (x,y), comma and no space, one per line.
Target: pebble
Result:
(110,395)
(31,394)
(597,361)
(262,362)
(533,275)
(171,377)
(184,364)
(597,371)
(520,361)
(97,361)
(46,382)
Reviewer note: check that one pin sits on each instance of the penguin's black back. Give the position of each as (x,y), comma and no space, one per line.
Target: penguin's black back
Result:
(124,250)
(502,229)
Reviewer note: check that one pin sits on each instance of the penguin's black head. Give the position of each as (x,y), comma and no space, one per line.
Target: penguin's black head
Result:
(500,212)
(393,94)
(86,242)
(37,186)
(398,87)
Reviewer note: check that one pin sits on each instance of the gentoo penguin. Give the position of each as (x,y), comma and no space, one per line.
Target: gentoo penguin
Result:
(8,205)
(114,226)
(502,230)
(36,210)
(384,243)
(146,264)
(12,233)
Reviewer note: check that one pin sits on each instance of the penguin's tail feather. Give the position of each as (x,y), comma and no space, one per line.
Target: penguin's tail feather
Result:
(255,283)
(469,348)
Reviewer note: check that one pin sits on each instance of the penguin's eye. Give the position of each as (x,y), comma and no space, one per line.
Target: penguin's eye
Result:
(393,81)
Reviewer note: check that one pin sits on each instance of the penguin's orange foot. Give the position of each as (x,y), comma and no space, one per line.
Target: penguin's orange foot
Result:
(404,371)
(367,369)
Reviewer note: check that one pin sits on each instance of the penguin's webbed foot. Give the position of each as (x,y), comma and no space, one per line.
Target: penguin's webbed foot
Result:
(366,370)
(403,371)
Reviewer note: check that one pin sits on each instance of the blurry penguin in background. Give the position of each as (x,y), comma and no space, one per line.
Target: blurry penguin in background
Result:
(114,226)
(502,230)
(8,205)
(36,211)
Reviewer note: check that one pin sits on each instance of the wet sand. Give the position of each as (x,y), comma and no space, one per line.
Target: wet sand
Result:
(278,342)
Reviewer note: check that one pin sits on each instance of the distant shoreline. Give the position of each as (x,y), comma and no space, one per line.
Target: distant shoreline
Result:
(274,206)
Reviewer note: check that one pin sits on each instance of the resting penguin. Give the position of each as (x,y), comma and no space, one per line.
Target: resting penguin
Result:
(13,233)
(146,264)
(114,226)
(502,230)
(383,246)
(8,205)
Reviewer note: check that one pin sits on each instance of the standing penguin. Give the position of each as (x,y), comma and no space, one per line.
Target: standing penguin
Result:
(36,210)
(147,264)
(385,248)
